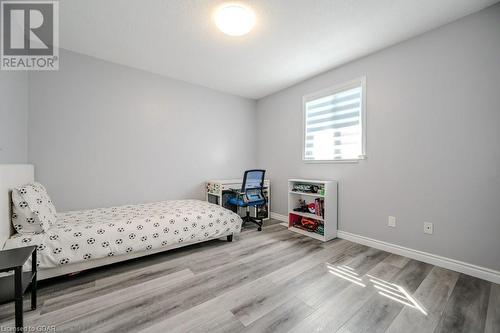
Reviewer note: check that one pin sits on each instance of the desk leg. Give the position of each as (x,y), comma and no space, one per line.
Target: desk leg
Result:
(18,292)
(33,280)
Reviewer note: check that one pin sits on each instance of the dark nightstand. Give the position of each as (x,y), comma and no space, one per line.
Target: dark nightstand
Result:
(12,287)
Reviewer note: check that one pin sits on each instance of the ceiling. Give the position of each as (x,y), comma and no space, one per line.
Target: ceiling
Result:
(292,40)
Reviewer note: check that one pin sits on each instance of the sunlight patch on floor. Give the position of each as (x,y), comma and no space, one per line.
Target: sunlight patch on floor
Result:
(384,288)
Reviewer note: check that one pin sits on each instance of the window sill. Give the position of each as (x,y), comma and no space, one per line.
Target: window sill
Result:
(351,161)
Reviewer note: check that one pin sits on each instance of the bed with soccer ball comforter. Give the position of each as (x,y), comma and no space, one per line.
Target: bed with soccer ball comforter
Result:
(79,236)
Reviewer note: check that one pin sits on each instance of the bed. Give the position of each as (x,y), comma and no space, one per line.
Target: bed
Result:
(80,240)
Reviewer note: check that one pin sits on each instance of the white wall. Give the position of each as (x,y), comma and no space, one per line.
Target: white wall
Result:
(102,134)
(13,117)
(433,108)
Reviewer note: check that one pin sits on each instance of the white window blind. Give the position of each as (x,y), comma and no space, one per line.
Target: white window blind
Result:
(334,123)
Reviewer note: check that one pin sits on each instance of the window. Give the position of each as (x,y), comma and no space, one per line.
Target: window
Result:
(334,123)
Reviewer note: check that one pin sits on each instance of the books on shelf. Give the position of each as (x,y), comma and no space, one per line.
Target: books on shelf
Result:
(319,207)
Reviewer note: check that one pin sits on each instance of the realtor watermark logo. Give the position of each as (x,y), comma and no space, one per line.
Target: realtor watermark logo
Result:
(29,35)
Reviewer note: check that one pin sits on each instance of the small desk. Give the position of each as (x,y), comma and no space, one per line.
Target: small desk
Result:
(14,286)
(217,190)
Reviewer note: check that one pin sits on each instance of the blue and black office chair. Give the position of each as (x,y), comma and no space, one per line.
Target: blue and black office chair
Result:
(251,195)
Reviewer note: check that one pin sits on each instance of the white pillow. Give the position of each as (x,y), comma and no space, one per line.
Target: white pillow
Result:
(32,209)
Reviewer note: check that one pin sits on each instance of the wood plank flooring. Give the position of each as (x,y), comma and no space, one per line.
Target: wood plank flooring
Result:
(269,281)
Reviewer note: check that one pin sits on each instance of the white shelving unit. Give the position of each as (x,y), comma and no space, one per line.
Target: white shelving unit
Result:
(328,219)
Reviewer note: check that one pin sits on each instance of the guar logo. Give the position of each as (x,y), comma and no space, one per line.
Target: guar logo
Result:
(30,35)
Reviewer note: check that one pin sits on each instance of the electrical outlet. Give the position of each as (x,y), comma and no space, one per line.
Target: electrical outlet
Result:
(391,222)
(428,228)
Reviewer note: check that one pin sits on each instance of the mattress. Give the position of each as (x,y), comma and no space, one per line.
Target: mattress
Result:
(80,236)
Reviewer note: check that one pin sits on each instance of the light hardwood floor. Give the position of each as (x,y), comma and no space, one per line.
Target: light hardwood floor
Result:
(269,281)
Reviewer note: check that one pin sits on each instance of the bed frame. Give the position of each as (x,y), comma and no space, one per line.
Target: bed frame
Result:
(15,175)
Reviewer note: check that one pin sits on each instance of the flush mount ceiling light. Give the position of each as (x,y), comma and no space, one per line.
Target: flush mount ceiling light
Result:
(234,19)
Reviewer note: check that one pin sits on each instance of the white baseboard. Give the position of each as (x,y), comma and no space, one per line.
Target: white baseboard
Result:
(455,265)
(279,217)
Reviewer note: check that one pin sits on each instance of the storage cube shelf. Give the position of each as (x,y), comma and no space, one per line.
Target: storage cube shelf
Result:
(324,203)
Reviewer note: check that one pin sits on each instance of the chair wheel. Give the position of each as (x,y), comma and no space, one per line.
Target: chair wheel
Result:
(259,229)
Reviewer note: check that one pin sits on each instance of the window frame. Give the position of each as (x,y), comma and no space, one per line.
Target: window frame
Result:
(360,81)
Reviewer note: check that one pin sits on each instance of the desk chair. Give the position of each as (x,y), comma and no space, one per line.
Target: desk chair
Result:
(251,195)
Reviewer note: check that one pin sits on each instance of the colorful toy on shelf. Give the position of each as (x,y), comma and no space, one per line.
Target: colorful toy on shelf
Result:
(309,224)
(311,208)
(303,207)
(321,230)
(306,188)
